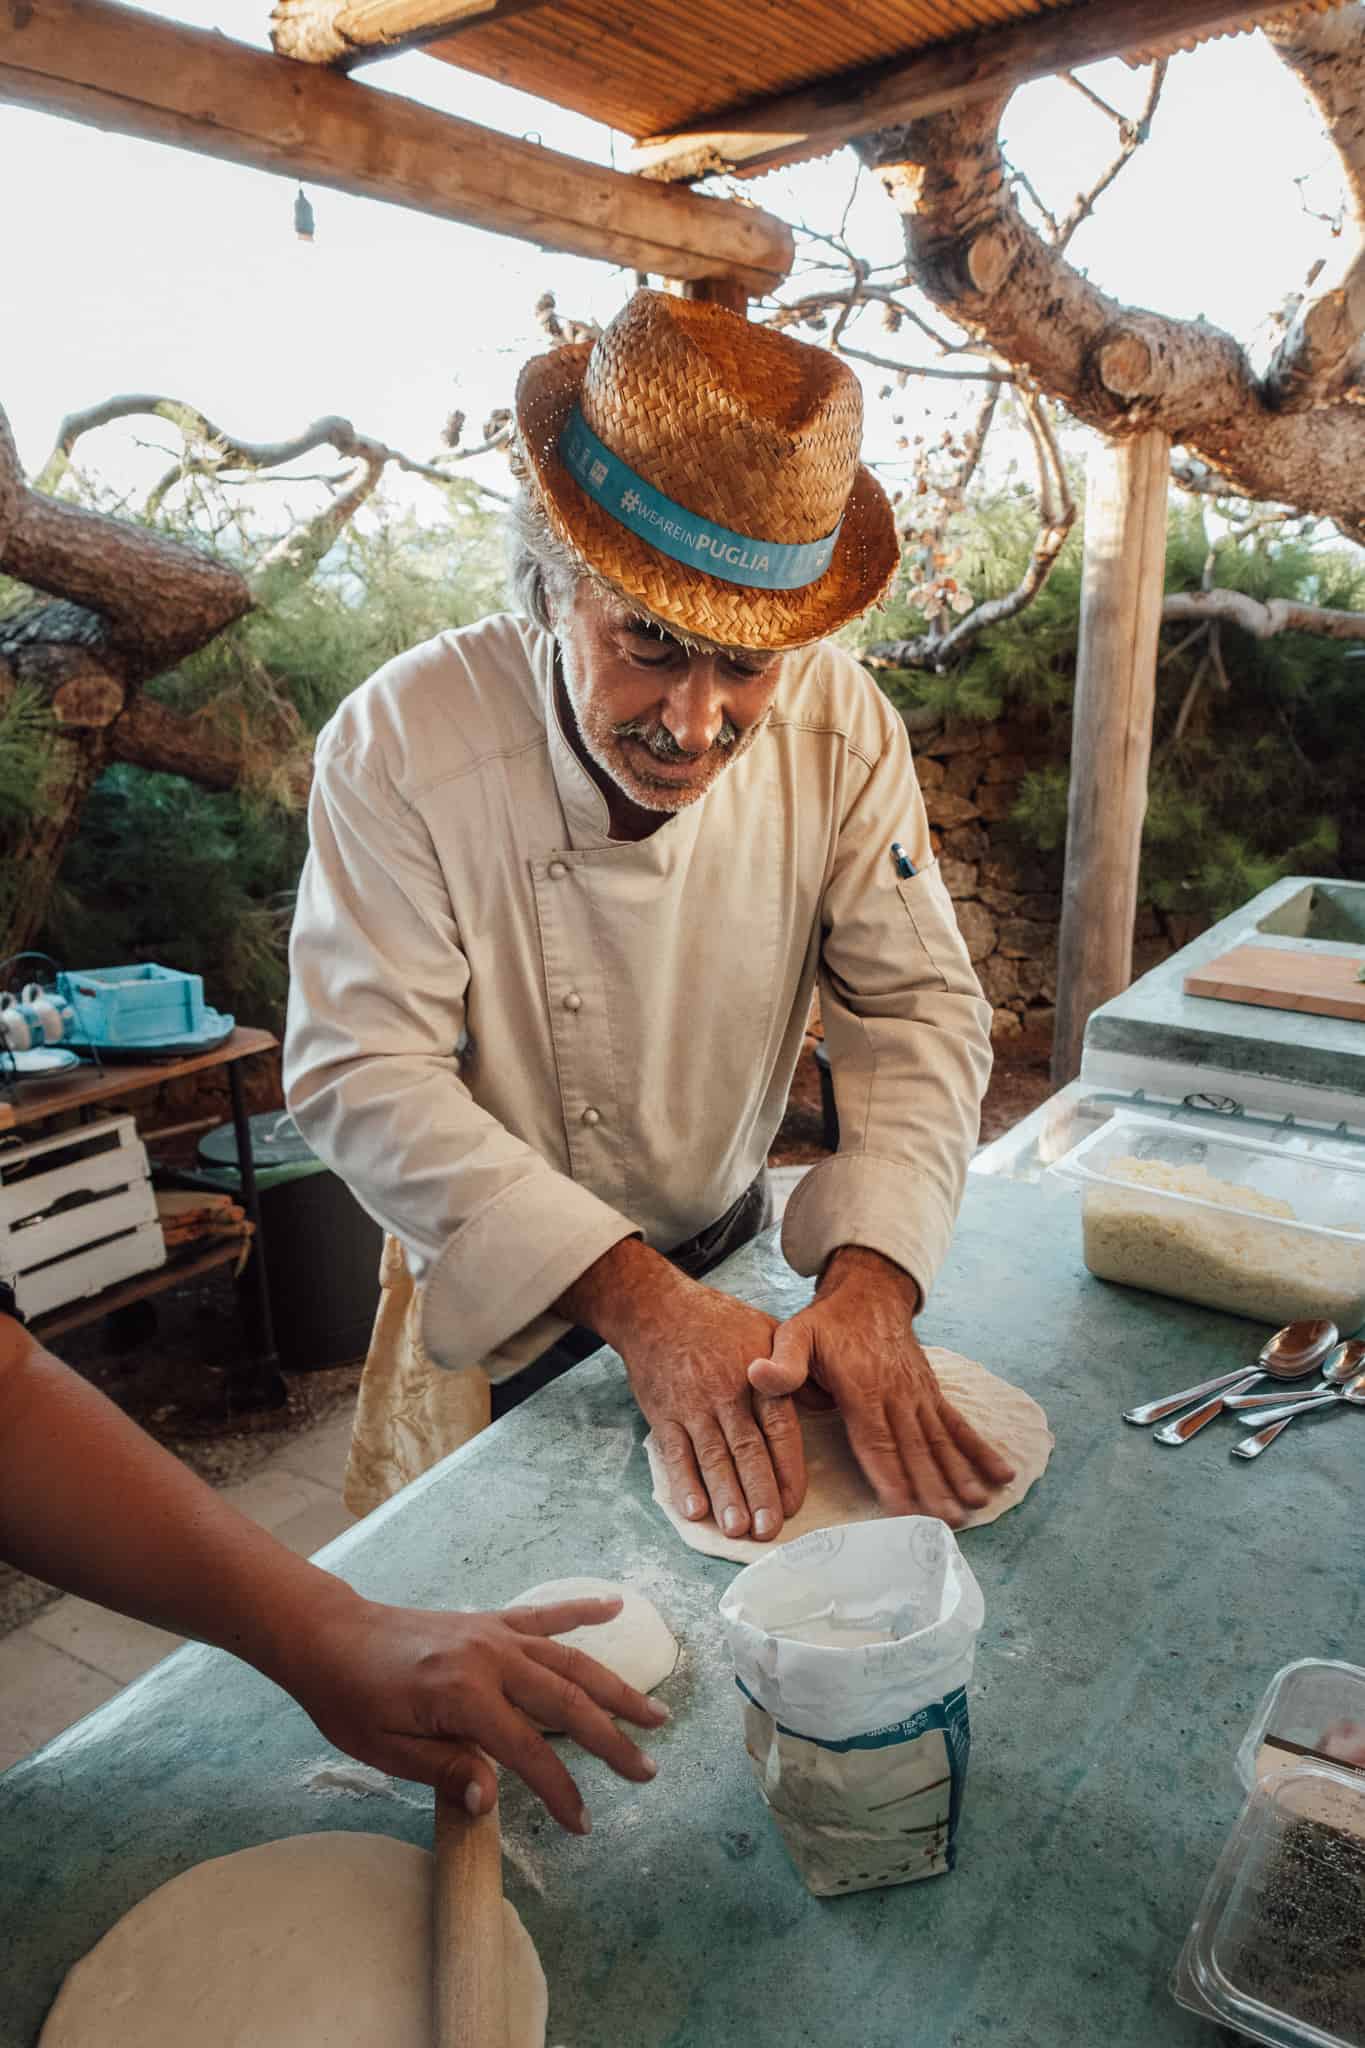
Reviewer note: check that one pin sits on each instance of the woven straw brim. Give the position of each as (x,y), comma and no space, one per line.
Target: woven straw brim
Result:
(865,558)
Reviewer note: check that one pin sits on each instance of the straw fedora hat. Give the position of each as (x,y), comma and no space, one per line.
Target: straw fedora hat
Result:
(708,469)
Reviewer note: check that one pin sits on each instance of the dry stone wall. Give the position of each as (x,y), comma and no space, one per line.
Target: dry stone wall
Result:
(1007,898)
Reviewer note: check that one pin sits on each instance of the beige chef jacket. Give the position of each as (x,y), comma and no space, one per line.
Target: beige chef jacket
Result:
(520,1041)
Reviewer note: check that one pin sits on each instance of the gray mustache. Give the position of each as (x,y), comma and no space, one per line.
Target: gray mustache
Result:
(661,742)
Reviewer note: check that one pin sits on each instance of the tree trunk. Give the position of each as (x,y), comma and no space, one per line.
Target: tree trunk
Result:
(128,604)
(1111,743)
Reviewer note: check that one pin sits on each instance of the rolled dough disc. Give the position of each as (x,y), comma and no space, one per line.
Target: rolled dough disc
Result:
(318,1941)
(837,1491)
(637,1645)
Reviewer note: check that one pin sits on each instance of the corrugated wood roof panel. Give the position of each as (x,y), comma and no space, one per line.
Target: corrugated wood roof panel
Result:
(648,70)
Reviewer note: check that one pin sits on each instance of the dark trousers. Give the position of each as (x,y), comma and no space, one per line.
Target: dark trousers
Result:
(742,1221)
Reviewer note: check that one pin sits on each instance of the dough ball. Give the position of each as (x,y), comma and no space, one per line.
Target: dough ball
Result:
(318,1941)
(637,1645)
(837,1491)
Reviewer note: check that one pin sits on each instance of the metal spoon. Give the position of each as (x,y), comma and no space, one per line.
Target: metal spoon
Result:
(1351,1395)
(1345,1362)
(1297,1349)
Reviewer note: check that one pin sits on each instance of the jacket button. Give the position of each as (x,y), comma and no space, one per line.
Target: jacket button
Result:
(556,871)
(573,1001)
(591,1117)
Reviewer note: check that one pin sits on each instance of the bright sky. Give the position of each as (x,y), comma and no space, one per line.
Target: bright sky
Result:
(137,267)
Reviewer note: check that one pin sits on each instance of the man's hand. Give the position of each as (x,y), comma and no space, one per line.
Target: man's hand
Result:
(419,1694)
(729,1448)
(857,1342)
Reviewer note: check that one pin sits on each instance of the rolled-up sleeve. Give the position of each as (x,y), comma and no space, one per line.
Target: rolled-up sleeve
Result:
(908,1034)
(376,1016)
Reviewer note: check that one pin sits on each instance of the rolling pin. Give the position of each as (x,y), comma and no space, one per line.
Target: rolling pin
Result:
(468,1961)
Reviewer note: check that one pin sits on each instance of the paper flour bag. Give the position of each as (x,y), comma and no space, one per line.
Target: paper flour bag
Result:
(853,1649)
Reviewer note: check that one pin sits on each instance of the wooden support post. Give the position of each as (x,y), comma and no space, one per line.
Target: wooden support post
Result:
(1111,741)
(719,291)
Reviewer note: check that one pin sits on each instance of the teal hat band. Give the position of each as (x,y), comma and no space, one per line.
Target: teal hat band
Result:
(685,536)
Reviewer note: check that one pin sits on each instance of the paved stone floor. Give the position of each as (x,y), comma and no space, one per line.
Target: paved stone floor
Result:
(75,1655)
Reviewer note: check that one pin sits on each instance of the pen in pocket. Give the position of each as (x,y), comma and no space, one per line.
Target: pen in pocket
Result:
(905,867)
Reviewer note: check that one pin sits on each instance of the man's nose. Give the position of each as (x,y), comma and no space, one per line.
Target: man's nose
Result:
(694,714)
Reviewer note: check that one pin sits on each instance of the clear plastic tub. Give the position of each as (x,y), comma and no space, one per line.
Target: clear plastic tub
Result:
(1257,1229)
(1277,1951)
(1312,1710)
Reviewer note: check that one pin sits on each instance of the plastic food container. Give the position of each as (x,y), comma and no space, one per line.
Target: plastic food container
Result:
(1312,1710)
(1256,1229)
(1277,1951)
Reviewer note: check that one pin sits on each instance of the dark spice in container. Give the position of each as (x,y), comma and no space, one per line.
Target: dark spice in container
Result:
(1302,1936)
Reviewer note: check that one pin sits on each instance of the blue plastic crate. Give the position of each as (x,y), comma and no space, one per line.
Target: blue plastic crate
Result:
(134,1005)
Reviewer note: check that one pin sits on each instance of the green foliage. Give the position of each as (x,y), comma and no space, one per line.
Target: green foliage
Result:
(1028,660)
(28,742)
(1040,813)
(385,586)
(1252,782)
(163,870)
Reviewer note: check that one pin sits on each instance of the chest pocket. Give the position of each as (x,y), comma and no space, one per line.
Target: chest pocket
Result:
(934,921)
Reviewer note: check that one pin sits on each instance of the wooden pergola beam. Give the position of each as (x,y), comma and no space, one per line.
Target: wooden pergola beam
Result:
(824,116)
(352,32)
(135,74)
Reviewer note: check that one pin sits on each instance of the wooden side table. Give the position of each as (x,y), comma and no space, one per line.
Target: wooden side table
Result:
(23,1104)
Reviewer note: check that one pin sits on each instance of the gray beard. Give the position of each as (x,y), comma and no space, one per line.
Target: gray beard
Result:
(598,737)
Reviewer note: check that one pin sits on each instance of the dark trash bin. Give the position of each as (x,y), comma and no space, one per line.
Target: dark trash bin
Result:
(321,1249)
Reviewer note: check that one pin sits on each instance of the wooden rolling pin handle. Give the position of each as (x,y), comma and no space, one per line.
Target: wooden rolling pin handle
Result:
(468,1958)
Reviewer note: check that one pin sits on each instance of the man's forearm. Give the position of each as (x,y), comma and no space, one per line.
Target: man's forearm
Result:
(614,1292)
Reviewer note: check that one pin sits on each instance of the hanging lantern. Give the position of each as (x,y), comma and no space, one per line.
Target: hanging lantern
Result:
(303,216)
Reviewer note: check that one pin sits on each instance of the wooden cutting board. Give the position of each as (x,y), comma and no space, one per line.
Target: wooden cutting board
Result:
(1324,984)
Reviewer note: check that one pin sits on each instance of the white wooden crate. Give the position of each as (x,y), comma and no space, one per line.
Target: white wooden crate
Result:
(77,1213)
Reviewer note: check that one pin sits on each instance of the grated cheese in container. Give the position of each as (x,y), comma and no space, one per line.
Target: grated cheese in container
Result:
(1257,1229)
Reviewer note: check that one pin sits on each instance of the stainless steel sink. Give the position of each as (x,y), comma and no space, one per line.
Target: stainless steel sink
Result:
(1332,913)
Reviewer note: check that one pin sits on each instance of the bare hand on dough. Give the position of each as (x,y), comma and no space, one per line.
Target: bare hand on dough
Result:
(856,1343)
(418,1694)
(730,1450)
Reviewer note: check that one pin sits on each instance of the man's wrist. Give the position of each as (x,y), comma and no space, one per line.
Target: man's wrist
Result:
(615,1289)
(859,1263)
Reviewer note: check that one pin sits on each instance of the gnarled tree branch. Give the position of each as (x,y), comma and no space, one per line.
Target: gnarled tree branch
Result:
(1118,368)
(218,755)
(1316,362)
(1263,620)
(1057,513)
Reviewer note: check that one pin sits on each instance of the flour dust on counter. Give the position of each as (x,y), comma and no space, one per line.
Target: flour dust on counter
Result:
(837,1491)
(318,1941)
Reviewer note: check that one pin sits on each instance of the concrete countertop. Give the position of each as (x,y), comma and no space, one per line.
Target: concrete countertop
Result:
(1136,1606)
(1155,1019)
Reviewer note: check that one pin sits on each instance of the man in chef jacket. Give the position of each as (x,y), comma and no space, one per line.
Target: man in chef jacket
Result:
(574,874)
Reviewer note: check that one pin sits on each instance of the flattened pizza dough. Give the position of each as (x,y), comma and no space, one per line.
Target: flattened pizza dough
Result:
(838,1492)
(637,1645)
(318,1941)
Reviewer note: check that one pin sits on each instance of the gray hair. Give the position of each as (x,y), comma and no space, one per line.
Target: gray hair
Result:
(544,573)
(542,570)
